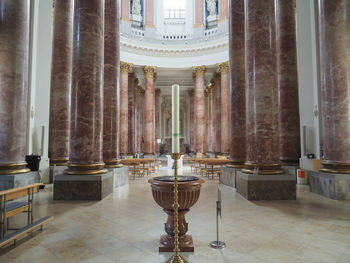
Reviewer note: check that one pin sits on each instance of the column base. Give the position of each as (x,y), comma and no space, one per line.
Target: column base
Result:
(331,185)
(113,164)
(228,176)
(83,187)
(266,187)
(121,175)
(8,181)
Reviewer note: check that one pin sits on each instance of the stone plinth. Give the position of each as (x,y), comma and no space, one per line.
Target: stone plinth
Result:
(334,186)
(83,187)
(266,187)
(55,170)
(228,176)
(291,169)
(8,181)
(121,176)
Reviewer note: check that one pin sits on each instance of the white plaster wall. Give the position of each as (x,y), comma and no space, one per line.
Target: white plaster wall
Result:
(309,91)
(40,71)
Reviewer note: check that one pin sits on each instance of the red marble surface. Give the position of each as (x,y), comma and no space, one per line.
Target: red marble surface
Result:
(210,123)
(150,12)
(225,113)
(86,127)
(237,86)
(199,111)
(149,134)
(192,123)
(334,21)
(157,127)
(217,112)
(111,82)
(124,113)
(138,122)
(14,39)
(261,83)
(131,113)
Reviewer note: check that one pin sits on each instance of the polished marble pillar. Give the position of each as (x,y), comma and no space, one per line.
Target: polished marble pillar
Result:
(86,119)
(223,10)
(287,81)
(225,107)
(199,109)
(210,119)
(334,25)
(124,100)
(138,119)
(61,82)
(133,81)
(261,88)
(149,13)
(14,39)
(217,111)
(237,83)
(192,122)
(111,101)
(149,131)
(199,13)
(157,124)
(125,10)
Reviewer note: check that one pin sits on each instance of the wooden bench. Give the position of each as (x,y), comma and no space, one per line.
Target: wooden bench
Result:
(9,208)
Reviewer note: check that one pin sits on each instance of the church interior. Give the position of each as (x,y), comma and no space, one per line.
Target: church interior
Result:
(175,131)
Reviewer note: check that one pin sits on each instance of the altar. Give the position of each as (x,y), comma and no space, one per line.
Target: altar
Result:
(171,162)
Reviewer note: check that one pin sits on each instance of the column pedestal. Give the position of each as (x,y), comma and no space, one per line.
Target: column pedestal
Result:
(266,187)
(8,181)
(228,176)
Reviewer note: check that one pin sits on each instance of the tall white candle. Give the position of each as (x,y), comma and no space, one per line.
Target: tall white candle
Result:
(176,118)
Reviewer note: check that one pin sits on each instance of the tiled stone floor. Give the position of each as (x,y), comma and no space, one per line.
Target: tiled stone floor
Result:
(125,227)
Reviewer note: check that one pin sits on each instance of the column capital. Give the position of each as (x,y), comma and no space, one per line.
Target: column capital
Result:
(136,82)
(217,76)
(140,90)
(223,67)
(125,67)
(155,76)
(209,89)
(199,71)
(157,92)
(191,92)
(149,71)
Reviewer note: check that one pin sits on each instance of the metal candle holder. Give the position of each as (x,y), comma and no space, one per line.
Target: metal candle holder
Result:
(176,258)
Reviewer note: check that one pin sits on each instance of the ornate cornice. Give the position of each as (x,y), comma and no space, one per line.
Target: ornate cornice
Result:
(149,71)
(223,67)
(125,67)
(199,71)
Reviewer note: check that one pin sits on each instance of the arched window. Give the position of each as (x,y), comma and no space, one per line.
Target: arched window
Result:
(174,9)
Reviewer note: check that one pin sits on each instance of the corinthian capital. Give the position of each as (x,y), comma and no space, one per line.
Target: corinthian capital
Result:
(199,70)
(125,67)
(223,67)
(149,71)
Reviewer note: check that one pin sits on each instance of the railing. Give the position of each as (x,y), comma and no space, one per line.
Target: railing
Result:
(174,14)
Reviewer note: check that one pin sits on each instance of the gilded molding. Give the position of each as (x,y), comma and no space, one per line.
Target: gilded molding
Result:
(223,67)
(209,89)
(149,71)
(125,67)
(199,70)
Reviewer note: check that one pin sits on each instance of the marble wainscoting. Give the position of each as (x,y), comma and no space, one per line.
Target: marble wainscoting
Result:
(334,186)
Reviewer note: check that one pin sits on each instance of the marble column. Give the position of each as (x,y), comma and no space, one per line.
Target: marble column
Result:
(149,133)
(192,122)
(133,81)
(225,108)
(124,100)
(157,124)
(261,88)
(217,111)
(223,10)
(138,119)
(237,86)
(86,118)
(334,21)
(14,39)
(199,109)
(287,81)
(111,101)
(210,119)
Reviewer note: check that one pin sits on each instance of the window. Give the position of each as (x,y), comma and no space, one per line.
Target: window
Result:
(174,9)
